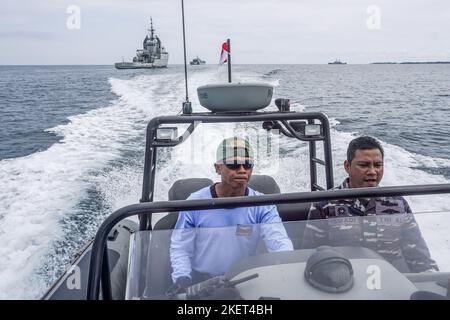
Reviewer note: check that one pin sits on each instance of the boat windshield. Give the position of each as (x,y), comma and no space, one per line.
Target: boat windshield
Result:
(357,257)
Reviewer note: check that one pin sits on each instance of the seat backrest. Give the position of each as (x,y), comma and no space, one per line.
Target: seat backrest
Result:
(181,189)
(264,184)
(288,212)
(294,216)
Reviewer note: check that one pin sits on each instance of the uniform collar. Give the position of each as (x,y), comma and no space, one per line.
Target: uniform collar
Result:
(212,189)
(362,204)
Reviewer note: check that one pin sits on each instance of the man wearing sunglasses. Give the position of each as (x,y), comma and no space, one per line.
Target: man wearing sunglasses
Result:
(205,243)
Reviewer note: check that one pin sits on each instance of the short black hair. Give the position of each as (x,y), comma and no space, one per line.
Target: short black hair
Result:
(363,143)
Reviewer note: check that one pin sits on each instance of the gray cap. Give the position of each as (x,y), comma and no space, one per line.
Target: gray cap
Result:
(233,147)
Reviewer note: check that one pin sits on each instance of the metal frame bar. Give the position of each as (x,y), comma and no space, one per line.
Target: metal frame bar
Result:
(99,246)
(194,119)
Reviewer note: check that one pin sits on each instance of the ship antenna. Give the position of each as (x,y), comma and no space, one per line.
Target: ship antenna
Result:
(151,28)
(187,107)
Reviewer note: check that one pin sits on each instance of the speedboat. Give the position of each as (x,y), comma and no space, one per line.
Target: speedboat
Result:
(129,260)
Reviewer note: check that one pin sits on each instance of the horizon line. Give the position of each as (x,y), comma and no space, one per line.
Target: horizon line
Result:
(212,64)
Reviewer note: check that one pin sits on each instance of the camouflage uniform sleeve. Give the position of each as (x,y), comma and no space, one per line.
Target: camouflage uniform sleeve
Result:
(316,229)
(414,248)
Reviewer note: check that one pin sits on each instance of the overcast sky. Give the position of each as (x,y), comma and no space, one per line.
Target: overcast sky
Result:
(261,31)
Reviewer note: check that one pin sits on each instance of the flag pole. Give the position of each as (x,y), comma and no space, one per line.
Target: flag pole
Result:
(229,61)
(186,107)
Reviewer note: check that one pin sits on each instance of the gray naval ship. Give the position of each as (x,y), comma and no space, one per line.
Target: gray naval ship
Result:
(197,61)
(153,54)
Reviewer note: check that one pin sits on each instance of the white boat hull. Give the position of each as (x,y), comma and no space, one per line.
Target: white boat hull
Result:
(158,63)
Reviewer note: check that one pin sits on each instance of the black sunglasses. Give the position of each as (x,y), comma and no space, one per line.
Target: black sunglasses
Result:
(234,166)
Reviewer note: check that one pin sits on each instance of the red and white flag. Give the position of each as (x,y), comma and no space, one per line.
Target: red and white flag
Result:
(224,53)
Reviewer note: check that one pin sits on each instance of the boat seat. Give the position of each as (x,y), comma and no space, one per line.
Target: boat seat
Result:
(181,190)
(264,184)
(294,211)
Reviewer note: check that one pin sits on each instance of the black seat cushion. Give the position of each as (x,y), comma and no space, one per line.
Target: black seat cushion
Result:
(181,189)
(294,211)
(264,184)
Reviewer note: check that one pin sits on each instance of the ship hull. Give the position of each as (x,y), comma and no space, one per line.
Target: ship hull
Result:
(159,63)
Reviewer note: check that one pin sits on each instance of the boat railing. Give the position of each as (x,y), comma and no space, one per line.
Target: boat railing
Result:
(99,274)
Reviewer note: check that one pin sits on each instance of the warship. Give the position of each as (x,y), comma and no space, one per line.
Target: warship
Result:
(153,54)
(197,61)
(337,61)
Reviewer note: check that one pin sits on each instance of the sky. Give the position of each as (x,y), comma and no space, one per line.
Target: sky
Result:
(261,31)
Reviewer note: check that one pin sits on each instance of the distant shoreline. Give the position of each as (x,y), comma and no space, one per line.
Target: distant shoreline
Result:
(413,62)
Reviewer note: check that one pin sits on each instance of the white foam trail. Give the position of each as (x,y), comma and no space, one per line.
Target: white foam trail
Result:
(123,186)
(196,155)
(41,189)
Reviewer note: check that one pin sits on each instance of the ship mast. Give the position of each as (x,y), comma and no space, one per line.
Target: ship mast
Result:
(151,29)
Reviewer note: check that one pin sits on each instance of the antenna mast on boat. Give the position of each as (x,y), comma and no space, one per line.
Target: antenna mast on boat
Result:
(151,29)
(229,60)
(187,107)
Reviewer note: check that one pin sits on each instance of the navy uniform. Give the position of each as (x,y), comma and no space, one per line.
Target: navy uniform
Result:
(385,225)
